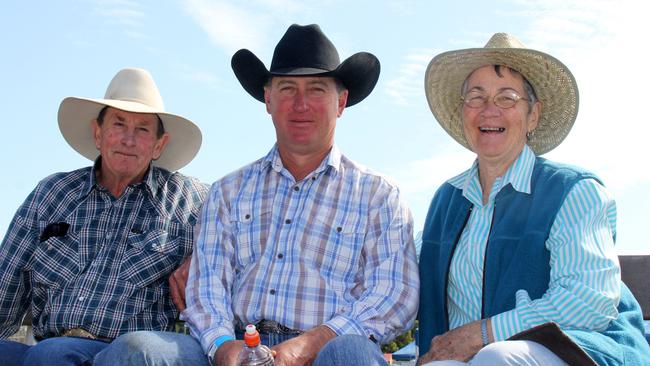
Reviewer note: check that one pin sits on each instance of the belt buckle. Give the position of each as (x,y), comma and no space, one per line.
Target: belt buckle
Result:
(78,332)
(271,326)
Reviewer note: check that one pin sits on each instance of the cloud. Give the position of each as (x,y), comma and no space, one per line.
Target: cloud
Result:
(128,14)
(406,87)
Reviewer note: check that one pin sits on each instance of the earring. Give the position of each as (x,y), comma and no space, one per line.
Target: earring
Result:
(529,135)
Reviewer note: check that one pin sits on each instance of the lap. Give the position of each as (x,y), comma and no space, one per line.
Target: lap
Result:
(63,351)
(153,348)
(350,349)
(12,353)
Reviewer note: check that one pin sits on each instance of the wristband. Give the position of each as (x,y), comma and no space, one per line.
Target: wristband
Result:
(484,332)
(216,344)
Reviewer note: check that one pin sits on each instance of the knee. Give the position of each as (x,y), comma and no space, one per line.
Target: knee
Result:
(350,349)
(130,348)
(498,353)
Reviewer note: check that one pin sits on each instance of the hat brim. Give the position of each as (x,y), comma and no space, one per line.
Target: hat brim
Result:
(359,73)
(75,122)
(554,85)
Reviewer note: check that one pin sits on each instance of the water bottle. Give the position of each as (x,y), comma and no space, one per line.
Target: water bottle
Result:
(254,353)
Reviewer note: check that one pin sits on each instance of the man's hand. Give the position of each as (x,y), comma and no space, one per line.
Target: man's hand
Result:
(227,353)
(458,344)
(177,282)
(303,349)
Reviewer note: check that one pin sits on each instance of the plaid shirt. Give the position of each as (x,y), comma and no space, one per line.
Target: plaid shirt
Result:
(108,273)
(335,248)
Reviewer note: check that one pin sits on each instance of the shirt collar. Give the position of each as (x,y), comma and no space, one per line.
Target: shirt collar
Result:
(519,175)
(150,183)
(273,159)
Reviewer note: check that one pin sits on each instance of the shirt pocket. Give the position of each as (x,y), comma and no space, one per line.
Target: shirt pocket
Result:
(153,253)
(334,249)
(56,261)
(250,231)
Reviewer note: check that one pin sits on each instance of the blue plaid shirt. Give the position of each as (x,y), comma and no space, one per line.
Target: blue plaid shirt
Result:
(335,248)
(108,273)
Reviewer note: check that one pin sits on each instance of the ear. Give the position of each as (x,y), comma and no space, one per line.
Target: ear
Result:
(533,116)
(267,99)
(343,101)
(97,133)
(159,146)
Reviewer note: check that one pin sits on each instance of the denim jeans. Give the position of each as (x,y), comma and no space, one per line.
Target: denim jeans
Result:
(175,349)
(135,348)
(350,349)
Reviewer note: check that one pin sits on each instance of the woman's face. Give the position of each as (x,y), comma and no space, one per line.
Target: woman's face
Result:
(497,134)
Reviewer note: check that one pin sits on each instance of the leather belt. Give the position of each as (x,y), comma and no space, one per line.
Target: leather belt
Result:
(82,333)
(272,327)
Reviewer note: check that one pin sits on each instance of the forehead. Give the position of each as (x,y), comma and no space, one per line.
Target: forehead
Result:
(303,80)
(486,77)
(147,118)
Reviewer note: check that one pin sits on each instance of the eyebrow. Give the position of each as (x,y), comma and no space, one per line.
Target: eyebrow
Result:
(480,88)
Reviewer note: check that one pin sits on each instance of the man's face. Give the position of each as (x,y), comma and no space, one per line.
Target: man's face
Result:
(127,143)
(304,112)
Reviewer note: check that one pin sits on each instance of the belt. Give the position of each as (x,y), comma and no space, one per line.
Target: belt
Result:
(82,333)
(271,327)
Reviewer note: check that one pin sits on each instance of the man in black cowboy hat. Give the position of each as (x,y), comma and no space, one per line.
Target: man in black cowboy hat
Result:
(314,249)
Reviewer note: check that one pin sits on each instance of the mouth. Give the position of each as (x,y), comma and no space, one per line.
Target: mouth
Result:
(491,129)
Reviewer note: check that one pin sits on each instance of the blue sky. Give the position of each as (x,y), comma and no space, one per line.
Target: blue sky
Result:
(54,49)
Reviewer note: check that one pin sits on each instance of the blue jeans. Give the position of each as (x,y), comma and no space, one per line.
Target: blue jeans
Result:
(135,348)
(139,348)
(350,349)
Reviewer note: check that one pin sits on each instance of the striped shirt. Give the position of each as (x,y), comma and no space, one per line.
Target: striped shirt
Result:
(584,281)
(108,273)
(335,248)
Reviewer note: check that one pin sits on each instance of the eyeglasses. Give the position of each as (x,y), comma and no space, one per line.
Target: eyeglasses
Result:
(504,99)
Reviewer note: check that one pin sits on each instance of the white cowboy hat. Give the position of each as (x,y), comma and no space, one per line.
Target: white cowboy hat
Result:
(554,86)
(131,90)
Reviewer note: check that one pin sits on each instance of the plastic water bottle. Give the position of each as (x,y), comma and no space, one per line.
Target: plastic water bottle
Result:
(254,353)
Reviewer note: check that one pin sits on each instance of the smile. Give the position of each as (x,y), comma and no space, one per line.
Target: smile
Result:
(492,129)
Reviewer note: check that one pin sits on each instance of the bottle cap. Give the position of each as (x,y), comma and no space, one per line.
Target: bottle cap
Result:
(251,337)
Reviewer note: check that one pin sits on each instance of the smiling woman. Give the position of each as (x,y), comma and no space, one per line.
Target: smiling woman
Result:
(517,240)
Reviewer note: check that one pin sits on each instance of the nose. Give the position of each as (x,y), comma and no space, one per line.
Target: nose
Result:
(128,137)
(490,109)
(300,102)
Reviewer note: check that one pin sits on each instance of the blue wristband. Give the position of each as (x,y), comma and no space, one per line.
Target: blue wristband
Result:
(221,340)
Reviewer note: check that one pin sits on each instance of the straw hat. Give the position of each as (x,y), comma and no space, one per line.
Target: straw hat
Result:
(306,51)
(554,85)
(131,90)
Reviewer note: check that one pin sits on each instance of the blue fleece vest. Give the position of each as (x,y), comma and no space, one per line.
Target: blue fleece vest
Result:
(516,258)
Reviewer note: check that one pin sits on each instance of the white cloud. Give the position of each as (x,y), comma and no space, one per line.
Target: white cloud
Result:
(407,86)
(230,26)
(125,13)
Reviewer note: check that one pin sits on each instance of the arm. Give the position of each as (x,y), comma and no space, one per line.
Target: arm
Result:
(584,268)
(15,251)
(208,291)
(389,277)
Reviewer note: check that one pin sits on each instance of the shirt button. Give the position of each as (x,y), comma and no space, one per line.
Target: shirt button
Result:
(287,221)
(272,292)
(280,256)
(296,188)
(81,298)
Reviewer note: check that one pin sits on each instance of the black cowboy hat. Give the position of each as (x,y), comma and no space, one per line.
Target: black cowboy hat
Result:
(306,51)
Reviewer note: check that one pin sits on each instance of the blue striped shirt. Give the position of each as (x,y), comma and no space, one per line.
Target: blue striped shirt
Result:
(108,273)
(584,286)
(335,248)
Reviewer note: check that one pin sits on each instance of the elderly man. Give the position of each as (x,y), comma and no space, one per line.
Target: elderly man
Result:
(90,251)
(313,248)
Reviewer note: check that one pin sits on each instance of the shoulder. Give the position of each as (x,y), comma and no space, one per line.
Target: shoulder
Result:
(555,170)
(70,182)
(356,171)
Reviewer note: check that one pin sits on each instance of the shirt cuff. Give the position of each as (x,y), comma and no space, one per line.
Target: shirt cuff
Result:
(344,325)
(505,325)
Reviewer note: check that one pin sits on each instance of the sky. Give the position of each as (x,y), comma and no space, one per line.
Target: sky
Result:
(55,49)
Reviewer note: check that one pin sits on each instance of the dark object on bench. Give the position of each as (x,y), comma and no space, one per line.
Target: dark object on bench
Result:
(635,273)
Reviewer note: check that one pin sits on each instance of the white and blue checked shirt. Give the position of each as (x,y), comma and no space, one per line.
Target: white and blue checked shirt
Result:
(108,273)
(584,284)
(335,248)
